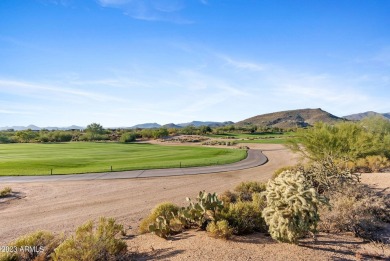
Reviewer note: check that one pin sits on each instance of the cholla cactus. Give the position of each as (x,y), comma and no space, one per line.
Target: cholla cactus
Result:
(292,207)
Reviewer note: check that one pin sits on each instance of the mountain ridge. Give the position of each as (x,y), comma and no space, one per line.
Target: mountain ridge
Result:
(362,115)
(291,118)
(281,119)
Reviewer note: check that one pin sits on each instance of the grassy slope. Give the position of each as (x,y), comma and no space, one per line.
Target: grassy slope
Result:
(65,158)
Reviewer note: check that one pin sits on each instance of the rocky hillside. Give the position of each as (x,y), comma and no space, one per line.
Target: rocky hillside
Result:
(360,116)
(291,119)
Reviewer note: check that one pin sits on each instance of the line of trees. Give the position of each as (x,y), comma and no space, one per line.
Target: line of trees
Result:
(96,132)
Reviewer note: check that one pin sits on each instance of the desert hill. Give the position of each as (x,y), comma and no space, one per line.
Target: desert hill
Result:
(291,118)
(360,116)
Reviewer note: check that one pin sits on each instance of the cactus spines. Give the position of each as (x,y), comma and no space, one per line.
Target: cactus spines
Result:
(292,207)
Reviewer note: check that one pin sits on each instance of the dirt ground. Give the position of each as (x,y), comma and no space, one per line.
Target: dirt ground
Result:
(62,206)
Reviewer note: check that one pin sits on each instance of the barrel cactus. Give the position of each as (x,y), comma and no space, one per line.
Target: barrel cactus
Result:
(292,207)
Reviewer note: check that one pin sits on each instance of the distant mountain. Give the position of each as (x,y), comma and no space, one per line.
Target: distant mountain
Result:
(19,128)
(291,119)
(171,126)
(360,116)
(206,123)
(36,128)
(146,126)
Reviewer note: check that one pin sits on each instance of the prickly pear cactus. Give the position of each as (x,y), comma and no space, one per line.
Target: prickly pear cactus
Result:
(160,227)
(292,207)
(203,210)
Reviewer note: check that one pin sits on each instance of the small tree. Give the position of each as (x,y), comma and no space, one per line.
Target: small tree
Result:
(205,129)
(344,140)
(94,129)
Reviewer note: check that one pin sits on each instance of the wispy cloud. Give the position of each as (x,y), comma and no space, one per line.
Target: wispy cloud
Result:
(244,65)
(150,10)
(51,92)
(13,112)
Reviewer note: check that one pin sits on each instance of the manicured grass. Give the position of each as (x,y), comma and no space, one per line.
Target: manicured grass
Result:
(80,157)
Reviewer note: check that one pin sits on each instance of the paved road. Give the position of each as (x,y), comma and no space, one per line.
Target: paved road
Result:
(255,158)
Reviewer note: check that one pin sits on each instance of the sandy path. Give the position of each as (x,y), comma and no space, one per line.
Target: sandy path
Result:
(62,206)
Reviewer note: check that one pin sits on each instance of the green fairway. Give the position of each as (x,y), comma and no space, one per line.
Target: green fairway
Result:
(78,157)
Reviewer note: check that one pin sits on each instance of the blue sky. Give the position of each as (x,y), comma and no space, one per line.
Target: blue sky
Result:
(123,62)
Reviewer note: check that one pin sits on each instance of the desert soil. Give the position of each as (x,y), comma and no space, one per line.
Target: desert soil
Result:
(62,206)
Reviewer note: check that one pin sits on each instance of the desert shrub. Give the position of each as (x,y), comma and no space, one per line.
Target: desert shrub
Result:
(166,210)
(93,137)
(292,207)
(228,197)
(370,164)
(35,246)
(128,137)
(244,217)
(93,244)
(356,209)
(327,174)
(219,229)
(5,191)
(61,136)
(259,200)
(280,170)
(246,189)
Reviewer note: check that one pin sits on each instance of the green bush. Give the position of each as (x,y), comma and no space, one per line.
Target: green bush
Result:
(5,191)
(4,139)
(166,210)
(246,189)
(345,140)
(93,244)
(292,207)
(219,229)
(244,217)
(128,137)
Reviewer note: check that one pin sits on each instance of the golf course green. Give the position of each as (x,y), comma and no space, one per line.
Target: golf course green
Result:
(86,157)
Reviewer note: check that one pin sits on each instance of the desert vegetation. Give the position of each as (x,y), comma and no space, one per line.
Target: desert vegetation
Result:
(96,132)
(101,241)
(5,191)
(322,193)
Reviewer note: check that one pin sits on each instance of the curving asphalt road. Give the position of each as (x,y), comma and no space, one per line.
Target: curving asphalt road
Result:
(255,158)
